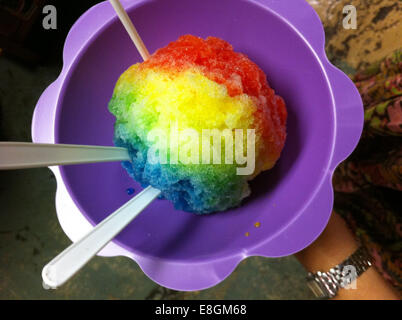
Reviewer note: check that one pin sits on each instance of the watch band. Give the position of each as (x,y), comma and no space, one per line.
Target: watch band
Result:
(326,284)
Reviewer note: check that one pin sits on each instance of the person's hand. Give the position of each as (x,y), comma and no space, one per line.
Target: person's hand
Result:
(334,245)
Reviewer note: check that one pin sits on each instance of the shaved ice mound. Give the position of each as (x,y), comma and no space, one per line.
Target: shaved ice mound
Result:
(193,85)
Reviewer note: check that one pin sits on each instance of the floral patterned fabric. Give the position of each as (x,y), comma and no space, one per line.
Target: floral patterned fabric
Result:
(368,184)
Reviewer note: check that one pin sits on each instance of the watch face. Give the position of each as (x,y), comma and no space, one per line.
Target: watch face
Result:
(316,288)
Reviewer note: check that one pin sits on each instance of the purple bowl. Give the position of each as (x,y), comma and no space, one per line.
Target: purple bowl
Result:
(292,202)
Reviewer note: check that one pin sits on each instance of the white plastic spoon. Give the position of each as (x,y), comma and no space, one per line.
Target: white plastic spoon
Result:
(131,30)
(72,259)
(21,155)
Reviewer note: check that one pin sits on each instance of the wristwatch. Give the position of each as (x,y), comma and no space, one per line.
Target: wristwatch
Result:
(325,285)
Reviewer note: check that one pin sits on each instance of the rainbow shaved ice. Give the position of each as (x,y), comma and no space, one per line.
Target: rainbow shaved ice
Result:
(197,84)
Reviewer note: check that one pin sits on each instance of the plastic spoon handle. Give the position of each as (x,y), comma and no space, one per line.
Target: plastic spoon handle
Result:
(131,30)
(20,155)
(72,259)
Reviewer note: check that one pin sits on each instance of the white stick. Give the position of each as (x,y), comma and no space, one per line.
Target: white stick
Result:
(132,32)
(21,155)
(72,259)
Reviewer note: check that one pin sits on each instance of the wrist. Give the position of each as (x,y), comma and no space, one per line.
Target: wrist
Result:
(332,247)
(327,283)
